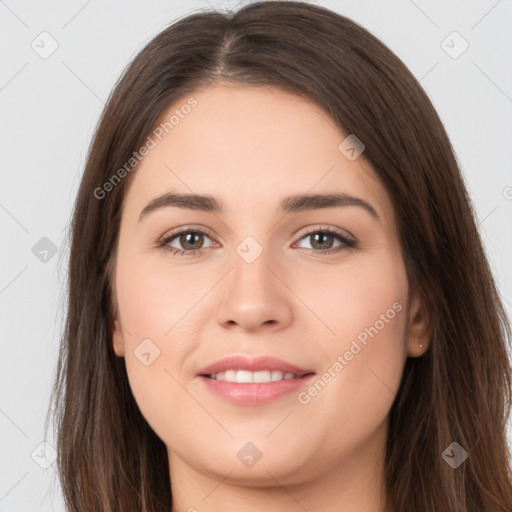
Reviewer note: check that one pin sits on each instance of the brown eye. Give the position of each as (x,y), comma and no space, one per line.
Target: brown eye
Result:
(322,241)
(189,242)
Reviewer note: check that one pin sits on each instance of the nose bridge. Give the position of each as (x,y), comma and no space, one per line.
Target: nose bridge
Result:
(253,254)
(253,295)
(251,263)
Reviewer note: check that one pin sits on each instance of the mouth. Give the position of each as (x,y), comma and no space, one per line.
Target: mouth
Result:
(244,381)
(255,393)
(258,377)
(262,367)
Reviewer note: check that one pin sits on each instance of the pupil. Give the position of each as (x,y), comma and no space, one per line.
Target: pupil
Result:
(185,241)
(321,235)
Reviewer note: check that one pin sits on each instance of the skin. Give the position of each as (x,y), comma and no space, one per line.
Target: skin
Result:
(251,147)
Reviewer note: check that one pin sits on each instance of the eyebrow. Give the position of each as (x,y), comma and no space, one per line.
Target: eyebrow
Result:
(295,203)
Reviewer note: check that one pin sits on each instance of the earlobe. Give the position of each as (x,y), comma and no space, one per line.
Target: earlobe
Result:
(117,339)
(419,328)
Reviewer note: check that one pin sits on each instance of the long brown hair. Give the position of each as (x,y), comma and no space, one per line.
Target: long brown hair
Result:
(109,459)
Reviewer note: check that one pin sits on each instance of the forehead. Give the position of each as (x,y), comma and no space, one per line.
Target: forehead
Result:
(250,146)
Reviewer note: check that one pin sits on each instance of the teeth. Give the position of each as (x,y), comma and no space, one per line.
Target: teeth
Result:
(245,376)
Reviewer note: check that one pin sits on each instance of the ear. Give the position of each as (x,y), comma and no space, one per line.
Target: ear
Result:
(117,338)
(419,326)
(117,329)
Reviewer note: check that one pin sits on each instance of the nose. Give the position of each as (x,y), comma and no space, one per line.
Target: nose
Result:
(254,295)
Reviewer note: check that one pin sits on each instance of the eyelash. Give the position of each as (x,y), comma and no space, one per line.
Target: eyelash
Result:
(348,244)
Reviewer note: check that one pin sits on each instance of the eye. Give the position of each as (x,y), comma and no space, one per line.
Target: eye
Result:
(322,241)
(191,241)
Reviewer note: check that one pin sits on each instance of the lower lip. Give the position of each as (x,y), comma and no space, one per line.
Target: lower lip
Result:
(257,393)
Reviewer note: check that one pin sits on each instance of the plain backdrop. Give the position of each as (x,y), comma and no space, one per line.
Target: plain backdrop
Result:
(60,61)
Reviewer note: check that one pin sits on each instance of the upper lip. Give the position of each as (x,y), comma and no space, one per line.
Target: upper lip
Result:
(253,365)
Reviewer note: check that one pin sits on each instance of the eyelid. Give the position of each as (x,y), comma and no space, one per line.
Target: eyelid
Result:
(314,229)
(184,229)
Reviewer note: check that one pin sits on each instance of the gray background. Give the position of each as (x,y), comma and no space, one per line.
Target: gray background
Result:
(49,108)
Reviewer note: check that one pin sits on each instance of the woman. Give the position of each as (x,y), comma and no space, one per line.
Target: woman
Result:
(213,361)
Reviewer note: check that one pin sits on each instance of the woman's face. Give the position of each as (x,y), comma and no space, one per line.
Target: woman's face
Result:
(256,275)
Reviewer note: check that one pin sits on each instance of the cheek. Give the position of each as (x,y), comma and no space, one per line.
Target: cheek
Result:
(365,307)
(153,310)
(154,298)
(364,298)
